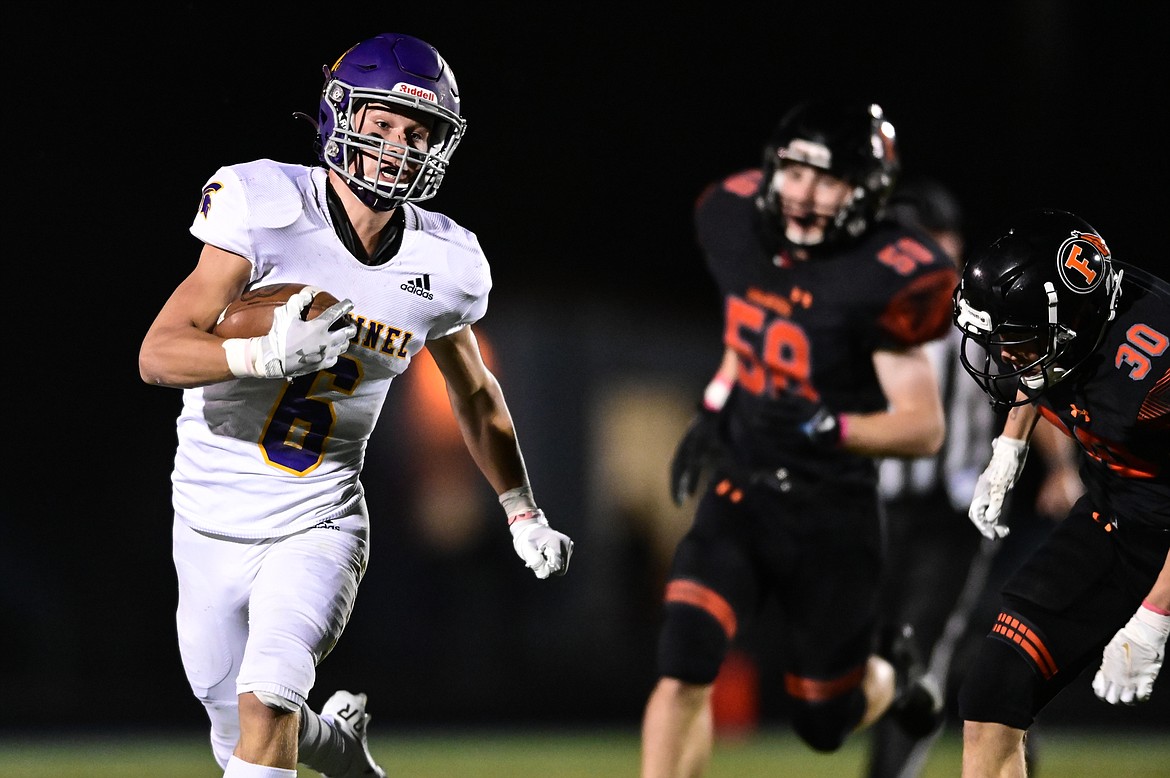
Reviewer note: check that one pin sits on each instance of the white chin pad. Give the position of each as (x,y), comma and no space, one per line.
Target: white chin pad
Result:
(1052,375)
(805,237)
(1033,382)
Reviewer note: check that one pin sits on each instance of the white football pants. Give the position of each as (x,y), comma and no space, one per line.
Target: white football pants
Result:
(259,615)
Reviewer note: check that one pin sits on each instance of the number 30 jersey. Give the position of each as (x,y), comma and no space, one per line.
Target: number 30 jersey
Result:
(262,458)
(805,330)
(1116,406)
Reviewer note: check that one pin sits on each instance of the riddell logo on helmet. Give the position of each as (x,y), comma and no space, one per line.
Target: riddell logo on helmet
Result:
(1080,261)
(414,91)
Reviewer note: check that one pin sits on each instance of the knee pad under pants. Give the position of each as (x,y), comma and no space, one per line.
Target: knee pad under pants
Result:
(999,687)
(691,644)
(824,725)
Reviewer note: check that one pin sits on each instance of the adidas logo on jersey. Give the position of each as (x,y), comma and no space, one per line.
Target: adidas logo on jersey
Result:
(420,286)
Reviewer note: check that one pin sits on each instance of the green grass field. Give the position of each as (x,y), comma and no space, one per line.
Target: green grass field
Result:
(1064,754)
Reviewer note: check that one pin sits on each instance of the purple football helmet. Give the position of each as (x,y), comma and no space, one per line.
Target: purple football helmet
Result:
(397,71)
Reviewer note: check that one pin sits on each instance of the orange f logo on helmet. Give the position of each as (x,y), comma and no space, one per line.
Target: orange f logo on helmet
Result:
(1079,258)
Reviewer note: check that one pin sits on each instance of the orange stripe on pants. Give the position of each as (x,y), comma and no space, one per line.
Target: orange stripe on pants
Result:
(1014,630)
(691,593)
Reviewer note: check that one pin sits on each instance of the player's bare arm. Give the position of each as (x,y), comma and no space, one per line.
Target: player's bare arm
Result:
(478,404)
(1159,596)
(480,409)
(1061,485)
(912,425)
(1021,421)
(178,349)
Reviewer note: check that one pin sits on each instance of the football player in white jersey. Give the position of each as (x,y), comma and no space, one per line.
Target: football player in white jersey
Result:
(271,530)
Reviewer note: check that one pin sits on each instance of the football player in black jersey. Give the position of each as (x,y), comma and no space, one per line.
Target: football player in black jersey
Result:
(940,576)
(826,306)
(1062,330)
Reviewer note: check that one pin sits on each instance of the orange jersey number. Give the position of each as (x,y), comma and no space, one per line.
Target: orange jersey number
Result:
(782,365)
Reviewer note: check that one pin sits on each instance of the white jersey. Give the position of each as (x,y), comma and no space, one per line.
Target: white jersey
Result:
(261,458)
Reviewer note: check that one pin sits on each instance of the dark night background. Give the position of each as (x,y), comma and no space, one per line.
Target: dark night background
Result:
(591,130)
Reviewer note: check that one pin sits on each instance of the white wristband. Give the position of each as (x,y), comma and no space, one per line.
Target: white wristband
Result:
(237,358)
(716,394)
(517,501)
(1015,444)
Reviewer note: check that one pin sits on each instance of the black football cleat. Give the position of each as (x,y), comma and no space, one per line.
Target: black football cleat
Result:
(918,702)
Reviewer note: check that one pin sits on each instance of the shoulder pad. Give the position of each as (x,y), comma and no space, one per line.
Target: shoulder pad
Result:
(273,198)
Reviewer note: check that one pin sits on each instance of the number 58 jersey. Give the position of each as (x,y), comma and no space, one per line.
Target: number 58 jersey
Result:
(260,458)
(805,330)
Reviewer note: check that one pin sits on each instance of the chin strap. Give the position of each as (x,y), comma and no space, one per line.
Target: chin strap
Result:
(1116,293)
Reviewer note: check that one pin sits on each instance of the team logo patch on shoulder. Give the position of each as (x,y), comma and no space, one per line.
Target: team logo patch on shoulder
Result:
(1080,261)
(205,197)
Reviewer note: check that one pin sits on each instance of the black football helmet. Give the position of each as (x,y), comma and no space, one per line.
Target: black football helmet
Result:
(1045,289)
(853,142)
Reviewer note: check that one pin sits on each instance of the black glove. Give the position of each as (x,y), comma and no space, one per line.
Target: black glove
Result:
(823,428)
(699,447)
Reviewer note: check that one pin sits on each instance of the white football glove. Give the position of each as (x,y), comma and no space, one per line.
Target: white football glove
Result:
(1131,661)
(1007,462)
(542,548)
(293,346)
